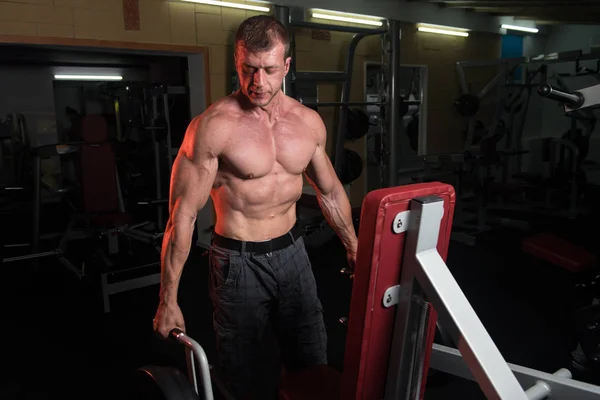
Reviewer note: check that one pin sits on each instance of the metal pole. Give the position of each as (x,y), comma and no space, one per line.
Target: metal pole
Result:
(156,145)
(355,103)
(168,120)
(201,359)
(282,14)
(338,103)
(395,120)
(37,178)
(338,140)
(318,76)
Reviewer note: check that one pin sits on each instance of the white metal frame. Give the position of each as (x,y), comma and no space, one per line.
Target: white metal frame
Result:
(426,278)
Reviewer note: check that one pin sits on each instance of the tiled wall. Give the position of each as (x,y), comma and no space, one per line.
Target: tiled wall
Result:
(176,22)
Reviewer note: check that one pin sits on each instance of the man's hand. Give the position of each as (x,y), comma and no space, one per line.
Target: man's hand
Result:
(168,317)
(351,255)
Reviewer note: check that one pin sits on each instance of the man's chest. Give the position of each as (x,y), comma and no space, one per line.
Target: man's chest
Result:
(258,149)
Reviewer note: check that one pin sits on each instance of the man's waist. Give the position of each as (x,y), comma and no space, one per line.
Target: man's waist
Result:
(262,247)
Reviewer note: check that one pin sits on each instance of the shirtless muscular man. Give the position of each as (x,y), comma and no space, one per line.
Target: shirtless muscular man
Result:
(249,151)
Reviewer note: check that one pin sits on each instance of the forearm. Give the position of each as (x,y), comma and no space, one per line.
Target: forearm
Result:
(175,251)
(338,212)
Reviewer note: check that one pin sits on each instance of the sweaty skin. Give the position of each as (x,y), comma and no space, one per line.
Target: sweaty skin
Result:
(249,152)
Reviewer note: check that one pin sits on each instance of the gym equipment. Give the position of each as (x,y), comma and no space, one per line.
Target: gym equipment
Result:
(401,287)
(578,100)
(411,137)
(467,105)
(22,164)
(568,154)
(352,166)
(142,109)
(493,153)
(37,154)
(104,217)
(412,131)
(168,383)
(14,149)
(547,246)
(371,320)
(585,358)
(358,124)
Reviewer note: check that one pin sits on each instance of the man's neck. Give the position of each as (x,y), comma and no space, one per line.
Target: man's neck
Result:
(274,108)
(271,111)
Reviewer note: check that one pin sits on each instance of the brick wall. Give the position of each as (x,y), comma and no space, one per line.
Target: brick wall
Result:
(175,22)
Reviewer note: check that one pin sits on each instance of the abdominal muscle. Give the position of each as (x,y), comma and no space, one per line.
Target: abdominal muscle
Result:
(256,209)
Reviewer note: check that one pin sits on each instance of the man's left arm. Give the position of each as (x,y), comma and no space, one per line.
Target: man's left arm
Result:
(331,195)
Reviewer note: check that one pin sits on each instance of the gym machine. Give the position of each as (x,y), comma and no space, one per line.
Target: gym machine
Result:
(402,289)
(412,141)
(586,98)
(172,384)
(499,145)
(402,286)
(35,156)
(491,148)
(145,109)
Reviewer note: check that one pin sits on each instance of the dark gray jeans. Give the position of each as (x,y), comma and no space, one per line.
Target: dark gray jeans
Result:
(253,292)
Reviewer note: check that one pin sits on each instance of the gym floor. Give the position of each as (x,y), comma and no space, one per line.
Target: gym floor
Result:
(57,343)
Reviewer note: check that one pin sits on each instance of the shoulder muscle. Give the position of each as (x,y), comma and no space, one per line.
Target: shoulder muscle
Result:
(315,123)
(207,136)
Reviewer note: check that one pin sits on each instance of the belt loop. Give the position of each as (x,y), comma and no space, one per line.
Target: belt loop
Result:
(243,248)
(292,236)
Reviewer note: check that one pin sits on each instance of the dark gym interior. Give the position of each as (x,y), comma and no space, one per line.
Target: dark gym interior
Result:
(89,132)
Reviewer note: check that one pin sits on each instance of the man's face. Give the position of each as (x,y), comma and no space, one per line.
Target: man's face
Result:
(261,73)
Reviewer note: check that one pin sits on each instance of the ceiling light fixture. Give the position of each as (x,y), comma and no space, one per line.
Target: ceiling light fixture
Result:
(520,28)
(346,17)
(230,5)
(443,31)
(89,77)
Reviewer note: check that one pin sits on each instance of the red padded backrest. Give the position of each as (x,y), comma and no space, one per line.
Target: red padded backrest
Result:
(378,267)
(98,167)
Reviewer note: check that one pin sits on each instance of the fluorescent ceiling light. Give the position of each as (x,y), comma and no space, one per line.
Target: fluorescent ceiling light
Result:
(442,27)
(443,31)
(520,28)
(89,77)
(348,14)
(231,5)
(354,20)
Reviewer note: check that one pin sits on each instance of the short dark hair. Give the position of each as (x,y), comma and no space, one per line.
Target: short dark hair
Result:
(261,33)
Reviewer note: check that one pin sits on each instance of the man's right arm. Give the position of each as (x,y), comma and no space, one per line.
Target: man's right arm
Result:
(193,174)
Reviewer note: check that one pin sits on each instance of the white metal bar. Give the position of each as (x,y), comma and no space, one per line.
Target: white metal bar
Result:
(423,262)
(401,370)
(449,360)
(191,365)
(541,390)
(200,356)
(462,79)
(455,312)
(591,98)
(493,82)
(423,96)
